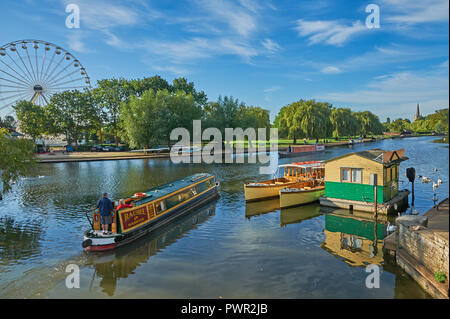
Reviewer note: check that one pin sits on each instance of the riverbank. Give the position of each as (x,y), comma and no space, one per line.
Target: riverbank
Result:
(421,247)
(60,157)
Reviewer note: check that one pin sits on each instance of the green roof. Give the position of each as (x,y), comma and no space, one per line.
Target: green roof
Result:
(163,190)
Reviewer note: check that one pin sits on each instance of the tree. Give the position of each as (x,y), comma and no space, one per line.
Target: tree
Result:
(369,123)
(223,114)
(16,159)
(344,122)
(399,125)
(139,86)
(181,84)
(150,119)
(439,116)
(71,113)
(305,119)
(32,118)
(111,93)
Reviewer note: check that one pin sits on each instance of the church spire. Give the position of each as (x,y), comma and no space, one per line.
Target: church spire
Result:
(417,113)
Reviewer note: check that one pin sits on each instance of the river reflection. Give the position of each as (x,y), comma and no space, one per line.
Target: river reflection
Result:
(298,214)
(356,237)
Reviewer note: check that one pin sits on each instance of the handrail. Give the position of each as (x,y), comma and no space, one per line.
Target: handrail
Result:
(89,220)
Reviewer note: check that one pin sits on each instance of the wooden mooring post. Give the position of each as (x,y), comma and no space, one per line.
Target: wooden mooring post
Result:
(374,182)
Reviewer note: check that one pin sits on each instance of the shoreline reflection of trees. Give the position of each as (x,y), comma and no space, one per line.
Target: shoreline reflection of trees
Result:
(111,266)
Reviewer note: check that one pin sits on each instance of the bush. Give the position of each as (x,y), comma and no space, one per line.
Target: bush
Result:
(440,277)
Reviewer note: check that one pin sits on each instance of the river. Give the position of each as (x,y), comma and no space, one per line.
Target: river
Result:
(227,249)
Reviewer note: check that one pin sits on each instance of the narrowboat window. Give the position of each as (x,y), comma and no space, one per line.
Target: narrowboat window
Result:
(172,201)
(179,198)
(201,187)
(160,207)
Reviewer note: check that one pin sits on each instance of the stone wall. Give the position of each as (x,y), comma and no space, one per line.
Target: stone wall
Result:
(423,245)
(422,253)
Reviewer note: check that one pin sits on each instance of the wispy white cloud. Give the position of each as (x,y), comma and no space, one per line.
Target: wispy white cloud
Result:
(393,54)
(236,17)
(76,43)
(397,93)
(331,70)
(271,45)
(328,32)
(416,11)
(272,89)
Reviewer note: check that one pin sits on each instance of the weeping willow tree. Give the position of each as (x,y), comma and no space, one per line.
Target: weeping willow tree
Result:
(344,122)
(304,119)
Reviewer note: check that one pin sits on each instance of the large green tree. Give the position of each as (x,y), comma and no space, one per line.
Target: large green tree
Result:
(110,94)
(181,84)
(368,123)
(32,118)
(305,118)
(149,120)
(71,113)
(344,122)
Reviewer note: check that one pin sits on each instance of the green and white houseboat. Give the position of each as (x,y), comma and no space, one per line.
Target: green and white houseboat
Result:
(350,181)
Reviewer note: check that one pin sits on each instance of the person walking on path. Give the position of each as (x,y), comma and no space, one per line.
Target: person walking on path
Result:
(105,207)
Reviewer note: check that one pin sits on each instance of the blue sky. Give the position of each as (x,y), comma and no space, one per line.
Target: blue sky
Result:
(265,53)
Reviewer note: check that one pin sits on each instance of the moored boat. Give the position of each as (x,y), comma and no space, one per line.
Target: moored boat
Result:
(294,151)
(309,187)
(150,210)
(291,175)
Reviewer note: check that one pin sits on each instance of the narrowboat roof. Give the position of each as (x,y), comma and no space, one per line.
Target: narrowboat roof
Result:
(163,190)
(378,155)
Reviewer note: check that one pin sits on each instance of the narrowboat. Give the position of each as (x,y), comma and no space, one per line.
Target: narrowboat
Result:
(291,175)
(309,188)
(150,210)
(294,151)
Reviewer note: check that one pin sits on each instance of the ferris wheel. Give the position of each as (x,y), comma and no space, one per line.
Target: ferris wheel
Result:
(34,70)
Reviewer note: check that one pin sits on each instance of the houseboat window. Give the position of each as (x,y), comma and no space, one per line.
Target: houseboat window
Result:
(351,175)
(160,207)
(356,175)
(345,175)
